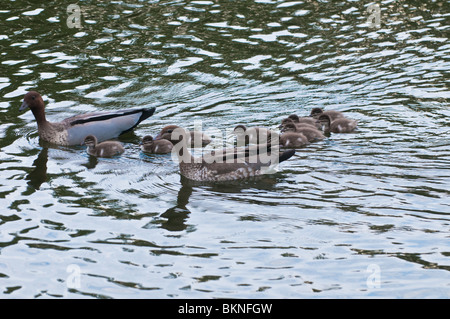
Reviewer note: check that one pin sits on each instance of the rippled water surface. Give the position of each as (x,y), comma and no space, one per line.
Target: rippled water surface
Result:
(357,215)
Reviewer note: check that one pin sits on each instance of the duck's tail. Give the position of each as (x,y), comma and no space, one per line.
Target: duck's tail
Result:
(286,155)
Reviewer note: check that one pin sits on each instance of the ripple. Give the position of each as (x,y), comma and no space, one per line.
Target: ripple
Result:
(136,228)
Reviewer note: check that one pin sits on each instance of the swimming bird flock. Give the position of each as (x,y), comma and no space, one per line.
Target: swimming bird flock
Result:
(258,149)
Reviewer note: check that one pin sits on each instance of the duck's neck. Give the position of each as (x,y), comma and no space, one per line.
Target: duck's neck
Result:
(39,115)
(184,156)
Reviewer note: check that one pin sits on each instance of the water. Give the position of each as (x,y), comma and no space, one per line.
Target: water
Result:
(358,215)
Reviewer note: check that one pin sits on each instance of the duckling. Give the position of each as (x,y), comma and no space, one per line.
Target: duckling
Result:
(303,120)
(299,125)
(195,138)
(149,145)
(317,111)
(339,125)
(252,135)
(312,134)
(293,140)
(103,149)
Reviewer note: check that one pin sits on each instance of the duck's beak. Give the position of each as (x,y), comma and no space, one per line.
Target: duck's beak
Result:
(157,137)
(23,106)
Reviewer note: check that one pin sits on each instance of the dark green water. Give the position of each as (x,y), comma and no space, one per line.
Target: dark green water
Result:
(355,216)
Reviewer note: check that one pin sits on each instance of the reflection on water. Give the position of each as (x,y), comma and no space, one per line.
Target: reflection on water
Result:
(176,216)
(39,173)
(355,215)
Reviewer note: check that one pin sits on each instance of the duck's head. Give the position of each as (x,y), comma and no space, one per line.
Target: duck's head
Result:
(166,132)
(285,121)
(32,100)
(324,120)
(316,112)
(240,129)
(289,127)
(90,141)
(294,118)
(147,140)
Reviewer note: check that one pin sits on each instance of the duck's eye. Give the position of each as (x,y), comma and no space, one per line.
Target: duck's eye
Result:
(169,131)
(33,97)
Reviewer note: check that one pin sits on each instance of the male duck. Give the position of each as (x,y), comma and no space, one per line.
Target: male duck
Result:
(317,111)
(103,149)
(73,130)
(195,138)
(149,145)
(339,125)
(229,165)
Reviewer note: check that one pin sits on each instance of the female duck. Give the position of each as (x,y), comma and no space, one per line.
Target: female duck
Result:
(232,164)
(72,131)
(103,149)
(149,145)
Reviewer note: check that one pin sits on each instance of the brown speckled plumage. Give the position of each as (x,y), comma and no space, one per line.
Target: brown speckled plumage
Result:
(231,164)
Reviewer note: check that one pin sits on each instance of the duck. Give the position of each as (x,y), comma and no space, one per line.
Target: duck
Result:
(312,134)
(304,120)
(339,125)
(195,139)
(73,130)
(103,149)
(252,135)
(149,145)
(293,140)
(317,111)
(230,164)
(299,125)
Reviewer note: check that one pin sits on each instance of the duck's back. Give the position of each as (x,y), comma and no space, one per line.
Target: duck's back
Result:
(103,125)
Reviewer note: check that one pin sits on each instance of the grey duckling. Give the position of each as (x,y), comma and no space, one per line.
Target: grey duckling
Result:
(339,125)
(304,120)
(312,134)
(252,135)
(73,130)
(299,125)
(149,145)
(103,149)
(317,111)
(195,138)
(293,140)
(232,165)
